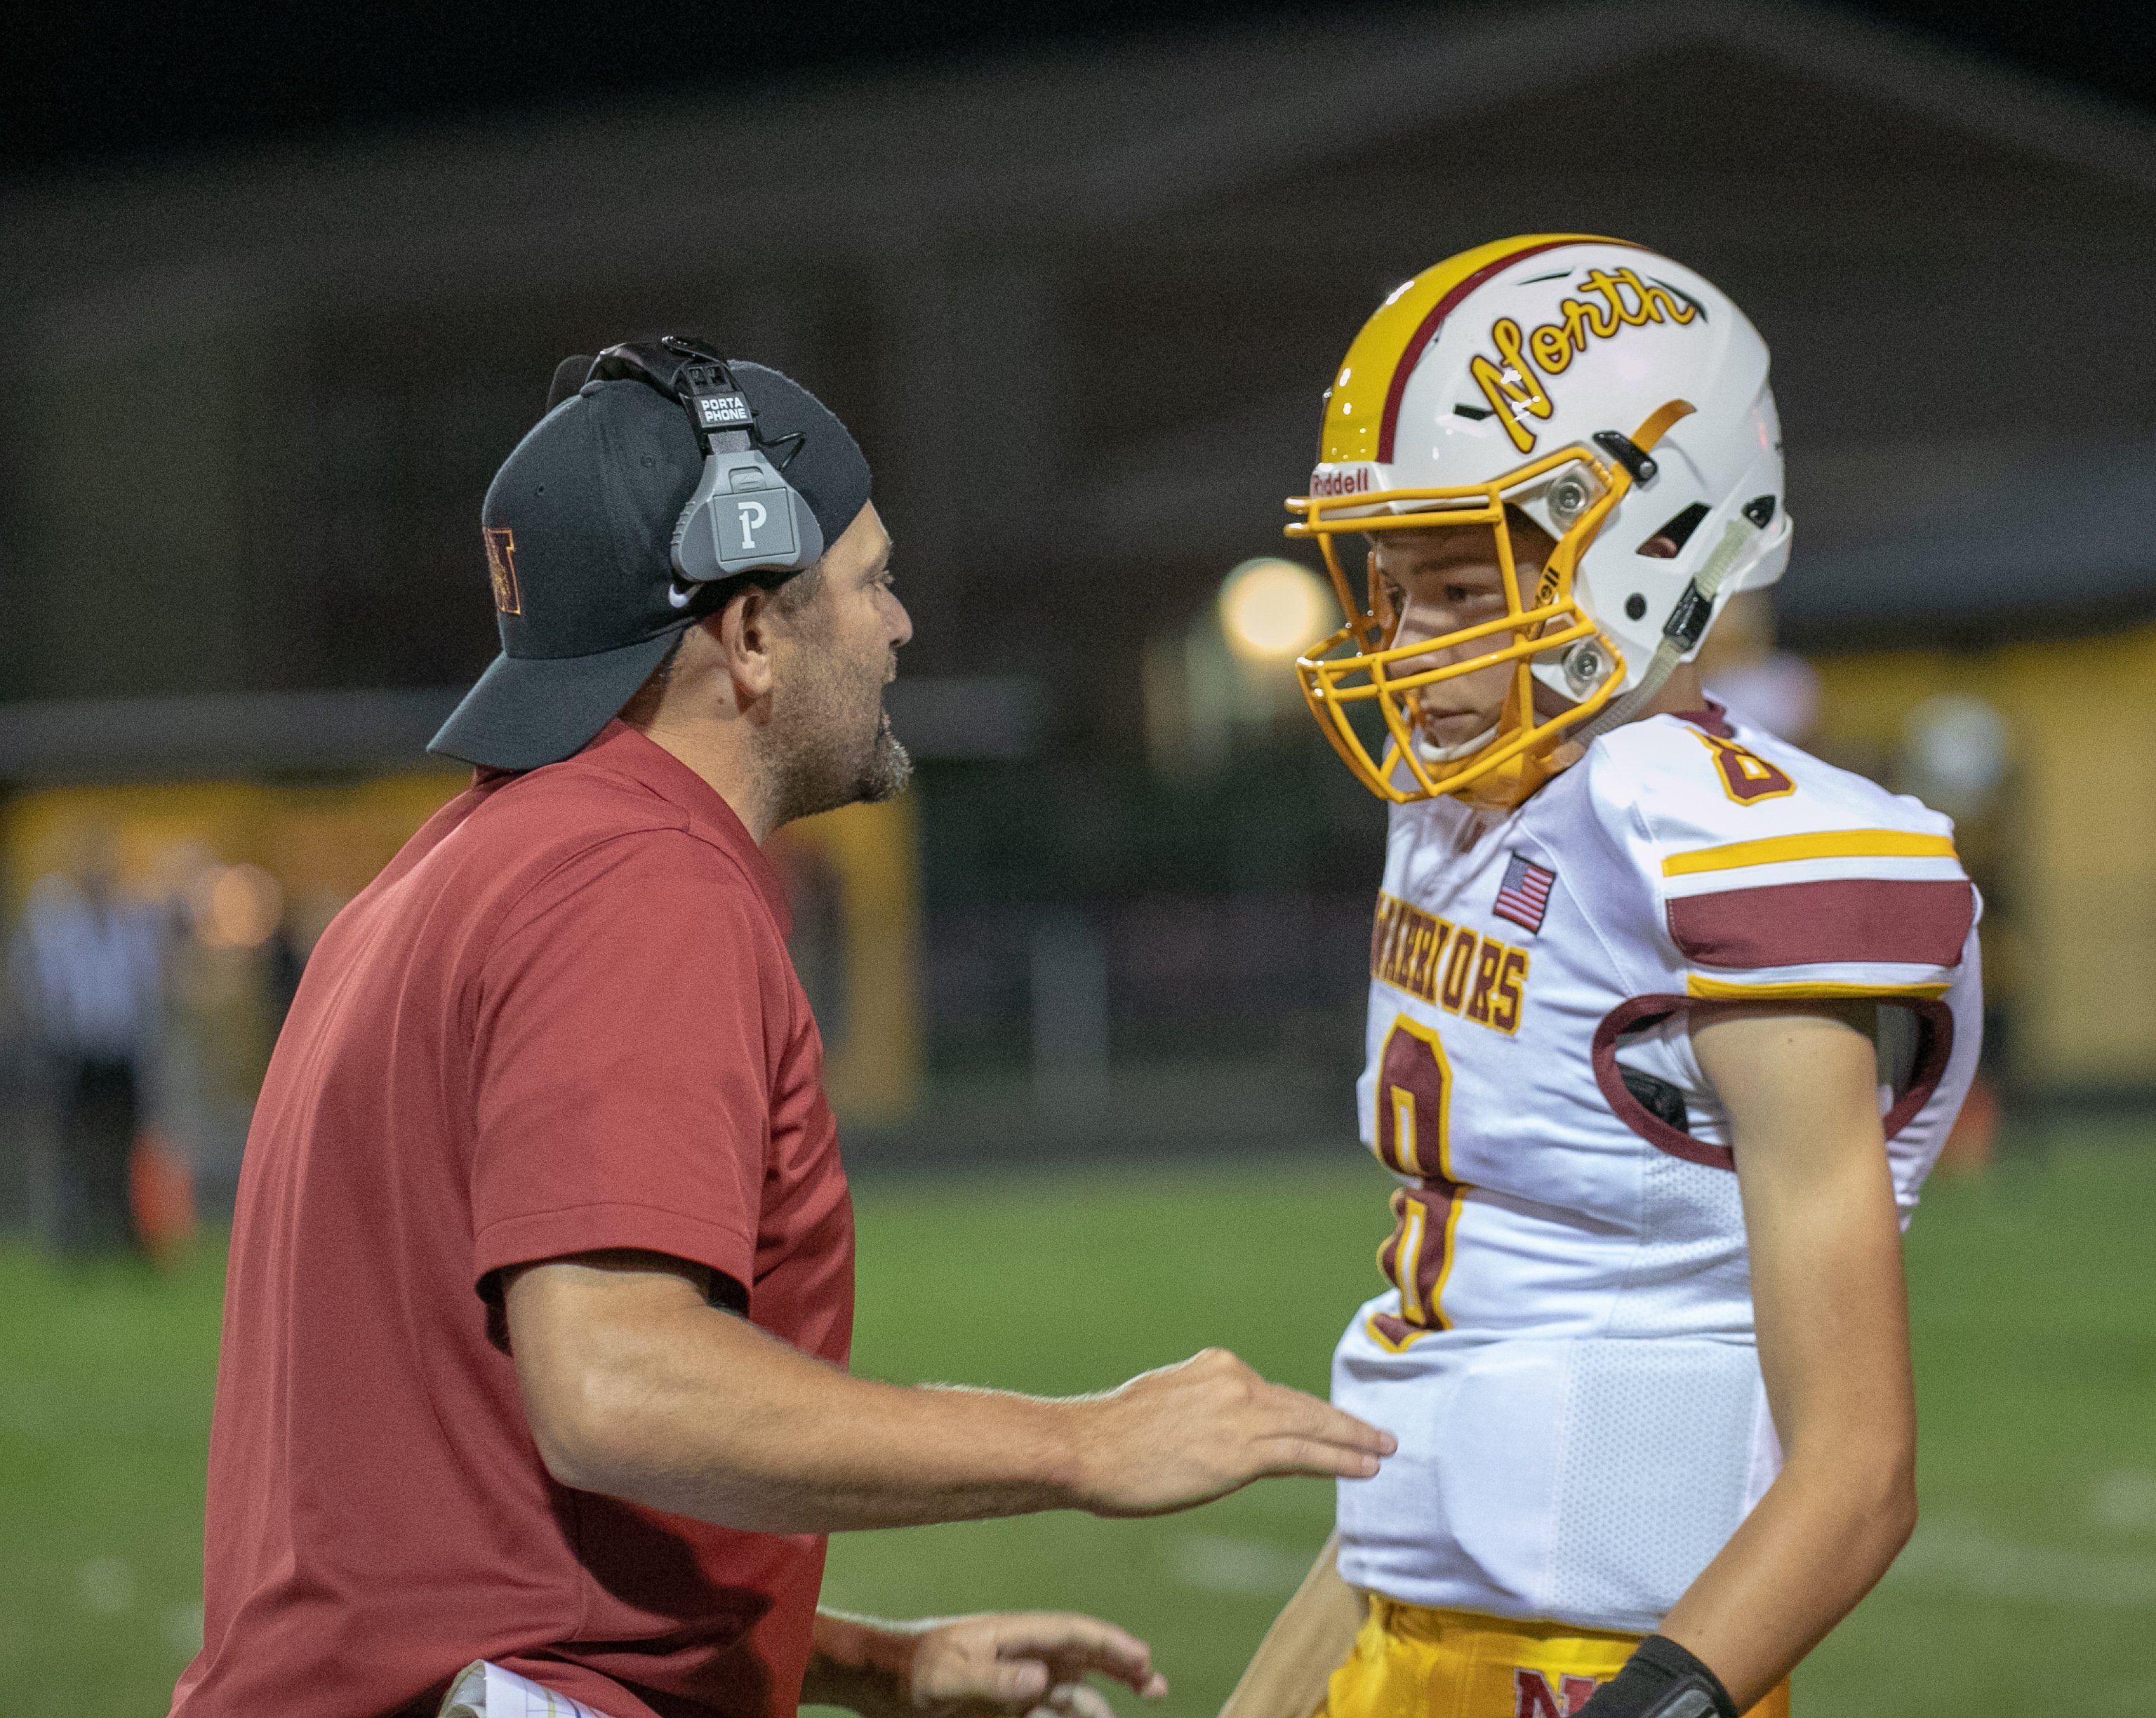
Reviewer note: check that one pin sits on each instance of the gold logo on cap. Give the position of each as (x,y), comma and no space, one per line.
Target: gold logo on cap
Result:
(501,568)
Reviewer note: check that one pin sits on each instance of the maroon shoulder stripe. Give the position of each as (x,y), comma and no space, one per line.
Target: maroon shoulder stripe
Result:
(1906,921)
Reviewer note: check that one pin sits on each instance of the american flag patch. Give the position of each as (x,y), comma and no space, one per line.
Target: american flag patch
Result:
(1523,897)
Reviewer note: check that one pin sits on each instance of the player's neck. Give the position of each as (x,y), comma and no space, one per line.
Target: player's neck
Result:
(1681,693)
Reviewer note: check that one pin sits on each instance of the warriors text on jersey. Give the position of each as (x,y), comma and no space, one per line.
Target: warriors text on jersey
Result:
(1566,1353)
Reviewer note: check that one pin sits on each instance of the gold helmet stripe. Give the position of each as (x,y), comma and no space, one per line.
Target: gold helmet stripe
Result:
(1364,407)
(1659,422)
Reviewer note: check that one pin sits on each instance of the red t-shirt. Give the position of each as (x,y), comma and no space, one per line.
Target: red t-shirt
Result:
(564,1019)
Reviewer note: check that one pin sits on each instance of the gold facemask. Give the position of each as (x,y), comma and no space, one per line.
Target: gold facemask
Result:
(1360,665)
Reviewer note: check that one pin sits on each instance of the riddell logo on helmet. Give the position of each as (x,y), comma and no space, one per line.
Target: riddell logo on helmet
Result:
(1359,481)
(1512,386)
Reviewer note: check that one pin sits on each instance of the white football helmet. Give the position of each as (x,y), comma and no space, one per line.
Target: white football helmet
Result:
(1614,398)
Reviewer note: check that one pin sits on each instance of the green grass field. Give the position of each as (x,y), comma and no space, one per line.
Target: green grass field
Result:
(2031,1589)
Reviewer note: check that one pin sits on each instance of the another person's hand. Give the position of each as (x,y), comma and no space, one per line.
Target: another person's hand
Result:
(995,1664)
(1026,1662)
(1189,1433)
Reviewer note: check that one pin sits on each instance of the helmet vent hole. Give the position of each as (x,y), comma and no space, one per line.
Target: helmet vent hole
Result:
(1635,606)
(1477,413)
(1668,543)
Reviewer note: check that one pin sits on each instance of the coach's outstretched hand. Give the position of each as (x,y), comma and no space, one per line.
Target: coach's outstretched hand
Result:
(1190,1433)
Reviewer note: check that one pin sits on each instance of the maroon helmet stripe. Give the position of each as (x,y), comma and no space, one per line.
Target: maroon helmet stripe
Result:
(1426,330)
(1857,919)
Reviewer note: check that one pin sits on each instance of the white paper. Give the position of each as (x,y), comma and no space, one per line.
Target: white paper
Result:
(484,1690)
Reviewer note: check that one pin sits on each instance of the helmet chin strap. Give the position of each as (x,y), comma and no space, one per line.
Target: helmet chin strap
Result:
(1680,632)
(1429,753)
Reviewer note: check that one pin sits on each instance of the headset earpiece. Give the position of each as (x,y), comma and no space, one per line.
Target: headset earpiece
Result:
(743,516)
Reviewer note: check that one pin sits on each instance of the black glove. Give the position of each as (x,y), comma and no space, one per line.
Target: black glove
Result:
(1661,1680)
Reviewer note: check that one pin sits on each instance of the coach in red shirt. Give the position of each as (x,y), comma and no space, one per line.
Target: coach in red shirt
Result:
(541,1278)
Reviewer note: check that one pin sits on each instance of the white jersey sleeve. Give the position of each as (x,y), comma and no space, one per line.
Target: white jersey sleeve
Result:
(1768,876)
(1843,889)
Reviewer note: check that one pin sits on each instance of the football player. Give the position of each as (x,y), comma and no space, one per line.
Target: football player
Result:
(1667,1022)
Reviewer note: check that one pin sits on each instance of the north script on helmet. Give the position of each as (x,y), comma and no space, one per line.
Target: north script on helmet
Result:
(1511,385)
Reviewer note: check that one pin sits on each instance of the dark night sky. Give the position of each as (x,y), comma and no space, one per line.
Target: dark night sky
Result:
(84,84)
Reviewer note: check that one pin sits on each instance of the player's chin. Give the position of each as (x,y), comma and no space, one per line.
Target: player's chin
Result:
(1449,728)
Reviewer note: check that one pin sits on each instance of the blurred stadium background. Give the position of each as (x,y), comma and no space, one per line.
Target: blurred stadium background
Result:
(1093,990)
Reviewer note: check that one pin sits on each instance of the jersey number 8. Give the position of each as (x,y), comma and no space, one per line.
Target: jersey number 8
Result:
(1415,1091)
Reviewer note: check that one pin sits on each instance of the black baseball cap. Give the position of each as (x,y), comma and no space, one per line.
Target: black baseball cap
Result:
(578,527)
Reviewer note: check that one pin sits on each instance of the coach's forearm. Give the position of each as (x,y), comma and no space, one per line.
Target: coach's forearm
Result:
(684,1408)
(634,1386)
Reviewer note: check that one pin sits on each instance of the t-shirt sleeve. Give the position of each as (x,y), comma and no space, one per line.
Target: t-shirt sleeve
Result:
(621,1068)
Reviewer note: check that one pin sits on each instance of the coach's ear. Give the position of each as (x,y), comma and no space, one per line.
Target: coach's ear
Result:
(746,635)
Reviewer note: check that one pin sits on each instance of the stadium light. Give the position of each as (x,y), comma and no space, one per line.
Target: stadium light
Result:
(235,906)
(1271,609)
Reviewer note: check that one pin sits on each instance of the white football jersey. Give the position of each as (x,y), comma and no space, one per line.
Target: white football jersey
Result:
(1566,1353)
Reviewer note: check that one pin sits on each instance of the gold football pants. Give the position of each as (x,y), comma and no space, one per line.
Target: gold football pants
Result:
(1413,1663)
